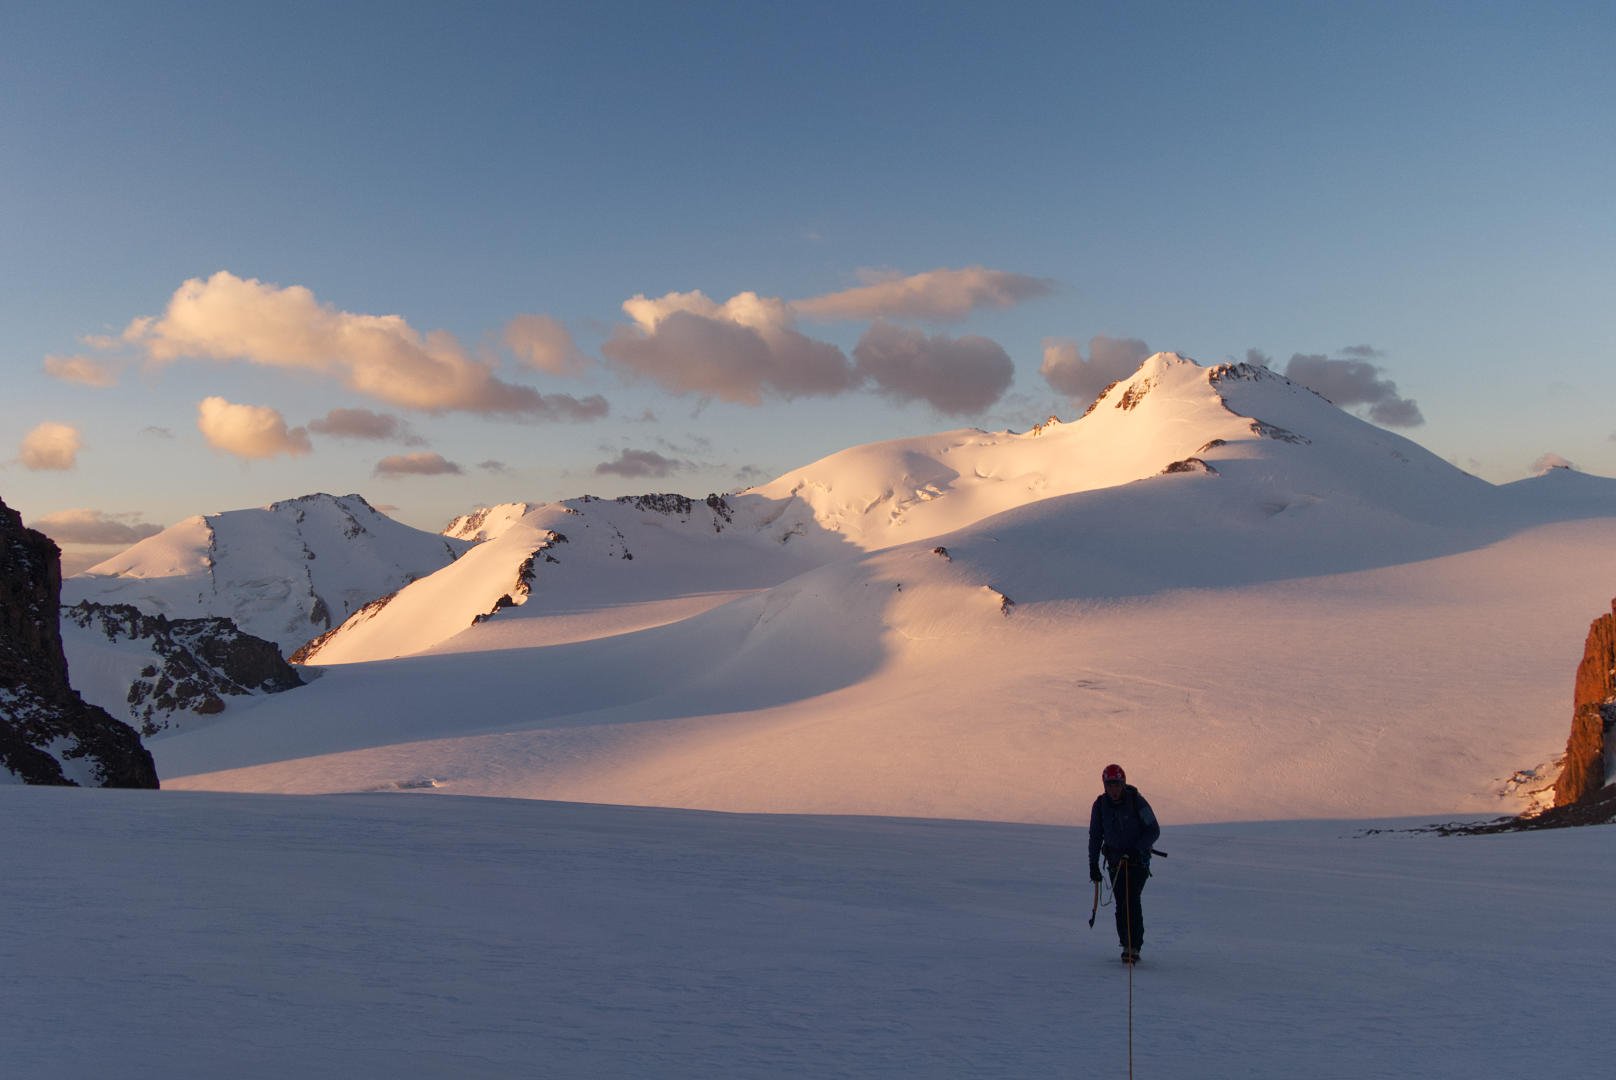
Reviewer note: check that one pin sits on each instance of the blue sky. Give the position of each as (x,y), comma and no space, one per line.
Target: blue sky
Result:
(1418,194)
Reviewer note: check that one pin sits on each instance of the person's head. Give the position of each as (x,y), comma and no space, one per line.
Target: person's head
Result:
(1115,780)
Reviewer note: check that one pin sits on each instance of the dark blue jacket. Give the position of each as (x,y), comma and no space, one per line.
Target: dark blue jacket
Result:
(1126,827)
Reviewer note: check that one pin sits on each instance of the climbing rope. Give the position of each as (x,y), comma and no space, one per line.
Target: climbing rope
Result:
(1127,898)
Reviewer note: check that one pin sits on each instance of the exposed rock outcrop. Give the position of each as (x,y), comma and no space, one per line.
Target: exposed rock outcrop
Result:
(190,665)
(1593,718)
(48,733)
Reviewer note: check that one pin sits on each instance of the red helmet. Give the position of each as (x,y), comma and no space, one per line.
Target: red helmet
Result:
(1113,772)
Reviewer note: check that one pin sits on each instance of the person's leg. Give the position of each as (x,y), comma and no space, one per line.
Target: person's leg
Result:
(1119,898)
(1136,912)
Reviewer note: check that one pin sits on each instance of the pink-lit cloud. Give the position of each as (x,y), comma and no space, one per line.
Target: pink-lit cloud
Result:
(543,343)
(227,318)
(83,370)
(737,351)
(1548,461)
(51,447)
(86,526)
(248,431)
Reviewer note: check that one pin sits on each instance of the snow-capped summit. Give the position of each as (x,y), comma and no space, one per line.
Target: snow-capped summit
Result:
(1170,411)
(487,522)
(650,558)
(284,572)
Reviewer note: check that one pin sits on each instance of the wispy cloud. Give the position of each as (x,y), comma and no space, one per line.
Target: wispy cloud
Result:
(1081,378)
(421,464)
(248,431)
(82,370)
(86,526)
(227,318)
(640,463)
(944,295)
(957,376)
(51,447)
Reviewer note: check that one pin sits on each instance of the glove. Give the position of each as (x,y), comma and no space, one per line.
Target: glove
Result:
(1094,872)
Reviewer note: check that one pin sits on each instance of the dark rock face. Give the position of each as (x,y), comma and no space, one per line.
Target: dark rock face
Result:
(48,734)
(197,663)
(1593,717)
(1189,465)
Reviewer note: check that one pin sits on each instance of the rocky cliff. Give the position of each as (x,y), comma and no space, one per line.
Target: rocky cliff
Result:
(48,733)
(1593,718)
(161,672)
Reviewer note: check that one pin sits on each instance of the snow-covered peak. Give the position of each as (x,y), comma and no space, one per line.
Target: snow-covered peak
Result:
(1169,411)
(487,522)
(285,572)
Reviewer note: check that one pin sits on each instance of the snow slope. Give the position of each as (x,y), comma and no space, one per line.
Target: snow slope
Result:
(632,562)
(283,572)
(1321,619)
(874,497)
(177,934)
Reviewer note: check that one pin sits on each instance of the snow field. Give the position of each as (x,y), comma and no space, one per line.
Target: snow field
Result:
(183,934)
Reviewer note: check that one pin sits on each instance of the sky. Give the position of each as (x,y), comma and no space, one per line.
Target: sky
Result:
(448,255)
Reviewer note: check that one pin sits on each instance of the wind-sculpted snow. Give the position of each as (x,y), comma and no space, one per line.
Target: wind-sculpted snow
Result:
(400,935)
(1337,625)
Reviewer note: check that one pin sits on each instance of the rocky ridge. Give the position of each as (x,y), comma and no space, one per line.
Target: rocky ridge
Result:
(1590,748)
(191,665)
(48,733)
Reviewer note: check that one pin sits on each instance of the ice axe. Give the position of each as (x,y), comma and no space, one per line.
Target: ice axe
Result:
(1096,909)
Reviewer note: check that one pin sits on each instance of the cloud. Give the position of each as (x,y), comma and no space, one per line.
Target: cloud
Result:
(364,424)
(94,527)
(640,463)
(1109,360)
(1353,383)
(157,432)
(1362,352)
(82,370)
(941,295)
(1549,461)
(51,447)
(422,464)
(229,318)
(957,376)
(1259,358)
(248,431)
(543,343)
(736,351)
(751,475)
(493,466)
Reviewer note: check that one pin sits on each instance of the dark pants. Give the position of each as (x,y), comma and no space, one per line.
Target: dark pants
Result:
(1127,885)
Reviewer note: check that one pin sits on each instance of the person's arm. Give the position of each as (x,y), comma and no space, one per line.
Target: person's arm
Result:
(1095,833)
(1152,833)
